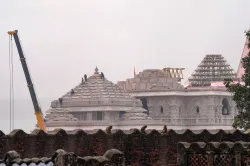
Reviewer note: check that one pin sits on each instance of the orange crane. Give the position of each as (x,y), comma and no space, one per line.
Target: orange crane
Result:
(38,112)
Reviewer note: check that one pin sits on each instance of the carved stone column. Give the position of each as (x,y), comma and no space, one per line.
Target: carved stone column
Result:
(211,110)
(219,114)
(89,115)
(151,103)
(174,112)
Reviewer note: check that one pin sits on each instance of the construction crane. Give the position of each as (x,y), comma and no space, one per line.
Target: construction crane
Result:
(38,112)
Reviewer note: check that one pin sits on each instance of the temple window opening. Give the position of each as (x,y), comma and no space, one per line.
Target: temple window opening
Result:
(161,109)
(145,104)
(82,116)
(225,107)
(197,109)
(121,113)
(98,115)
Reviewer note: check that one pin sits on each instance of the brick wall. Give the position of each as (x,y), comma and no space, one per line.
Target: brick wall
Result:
(139,147)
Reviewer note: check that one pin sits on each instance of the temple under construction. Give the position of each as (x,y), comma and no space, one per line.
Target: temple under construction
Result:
(154,97)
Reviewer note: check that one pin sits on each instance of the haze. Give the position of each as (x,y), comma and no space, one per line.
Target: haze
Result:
(63,40)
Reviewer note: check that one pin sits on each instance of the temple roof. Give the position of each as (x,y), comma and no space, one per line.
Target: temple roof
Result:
(213,68)
(97,88)
(96,91)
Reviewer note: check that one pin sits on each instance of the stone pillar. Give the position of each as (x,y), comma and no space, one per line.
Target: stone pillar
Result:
(219,114)
(173,111)
(197,121)
(151,104)
(211,110)
(105,116)
(110,116)
(89,115)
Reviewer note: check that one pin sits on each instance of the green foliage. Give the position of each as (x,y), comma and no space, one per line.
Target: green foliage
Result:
(241,93)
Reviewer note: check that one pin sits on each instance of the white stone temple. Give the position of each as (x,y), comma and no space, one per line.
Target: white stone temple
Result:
(95,104)
(154,97)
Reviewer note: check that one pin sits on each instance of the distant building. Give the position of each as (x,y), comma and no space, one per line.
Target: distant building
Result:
(153,97)
(200,105)
(95,104)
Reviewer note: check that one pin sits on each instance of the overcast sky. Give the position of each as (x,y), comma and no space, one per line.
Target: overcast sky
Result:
(62,40)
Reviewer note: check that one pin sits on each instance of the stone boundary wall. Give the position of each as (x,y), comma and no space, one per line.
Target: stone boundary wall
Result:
(140,147)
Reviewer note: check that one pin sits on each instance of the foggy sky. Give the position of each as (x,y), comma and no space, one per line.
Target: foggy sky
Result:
(63,40)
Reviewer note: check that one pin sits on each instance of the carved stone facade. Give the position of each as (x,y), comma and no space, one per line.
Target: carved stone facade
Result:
(169,102)
(192,112)
(152,97)
(94,104)
(150,79)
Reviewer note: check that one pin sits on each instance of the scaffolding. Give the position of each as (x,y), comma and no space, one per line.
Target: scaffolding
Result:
(213,68)
(174,73)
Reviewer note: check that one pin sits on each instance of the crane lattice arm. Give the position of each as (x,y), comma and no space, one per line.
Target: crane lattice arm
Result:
(38,112)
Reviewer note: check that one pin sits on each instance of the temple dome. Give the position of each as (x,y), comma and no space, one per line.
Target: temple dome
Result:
(97,91)
(96,94)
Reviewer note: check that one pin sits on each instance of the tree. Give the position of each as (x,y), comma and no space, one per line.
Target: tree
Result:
(241,93)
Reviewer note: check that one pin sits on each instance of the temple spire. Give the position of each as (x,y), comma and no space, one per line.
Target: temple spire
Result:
(96,70)
(213,68)
(241,70)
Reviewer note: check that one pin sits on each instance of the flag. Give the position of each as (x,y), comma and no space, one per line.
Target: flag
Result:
(134,72)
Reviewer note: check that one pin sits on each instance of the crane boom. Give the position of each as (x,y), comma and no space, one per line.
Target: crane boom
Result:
(38,112)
